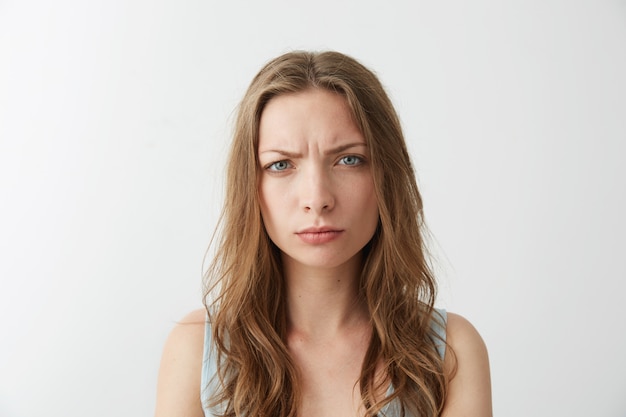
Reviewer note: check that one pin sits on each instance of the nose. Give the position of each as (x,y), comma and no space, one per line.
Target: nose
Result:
(317,192)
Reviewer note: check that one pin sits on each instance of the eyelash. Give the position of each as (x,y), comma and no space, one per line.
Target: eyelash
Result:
(272,166)
(359,160)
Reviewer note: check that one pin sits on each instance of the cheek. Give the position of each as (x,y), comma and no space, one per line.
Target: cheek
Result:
(270,203)
(372,206)
(263,200)
(362,193)
(266,217)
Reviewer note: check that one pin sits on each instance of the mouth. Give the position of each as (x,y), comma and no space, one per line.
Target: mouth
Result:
(318,235)
(324,229)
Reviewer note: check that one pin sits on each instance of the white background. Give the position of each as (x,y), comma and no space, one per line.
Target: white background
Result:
(114,123)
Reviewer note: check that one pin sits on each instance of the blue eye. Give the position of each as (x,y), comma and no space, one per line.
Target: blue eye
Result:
(351,160)
(278,166)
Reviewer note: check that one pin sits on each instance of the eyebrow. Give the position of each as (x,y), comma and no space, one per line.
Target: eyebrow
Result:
(332,151)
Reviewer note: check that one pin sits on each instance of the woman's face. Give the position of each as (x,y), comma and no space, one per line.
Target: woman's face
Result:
(316,189)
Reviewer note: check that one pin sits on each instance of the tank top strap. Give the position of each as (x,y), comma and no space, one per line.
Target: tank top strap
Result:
(438,325)
(209,369)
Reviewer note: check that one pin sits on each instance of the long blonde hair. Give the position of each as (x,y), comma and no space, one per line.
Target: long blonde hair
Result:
(256,376)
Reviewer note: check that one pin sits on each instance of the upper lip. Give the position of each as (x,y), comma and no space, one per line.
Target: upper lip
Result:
(321,229)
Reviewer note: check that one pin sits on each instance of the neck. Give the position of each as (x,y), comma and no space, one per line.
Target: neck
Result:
(323,302)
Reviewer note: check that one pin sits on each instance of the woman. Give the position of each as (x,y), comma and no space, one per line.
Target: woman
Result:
(321,299)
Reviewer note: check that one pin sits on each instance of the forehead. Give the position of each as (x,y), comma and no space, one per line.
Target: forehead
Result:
(311,115)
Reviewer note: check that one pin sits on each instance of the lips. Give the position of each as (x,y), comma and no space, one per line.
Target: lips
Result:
(319,235)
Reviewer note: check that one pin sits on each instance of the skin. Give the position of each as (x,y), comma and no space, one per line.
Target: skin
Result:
(316,190)
(319,207)
(316,176)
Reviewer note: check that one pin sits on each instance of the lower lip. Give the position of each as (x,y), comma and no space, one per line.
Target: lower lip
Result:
(319,237)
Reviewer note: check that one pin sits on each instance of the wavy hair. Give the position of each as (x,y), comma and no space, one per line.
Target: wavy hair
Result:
(256,376)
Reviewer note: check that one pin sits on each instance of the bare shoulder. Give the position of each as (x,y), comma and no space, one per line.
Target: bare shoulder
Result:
(195,317)
(469,392)
(178,387)
(187,336)
(462,336)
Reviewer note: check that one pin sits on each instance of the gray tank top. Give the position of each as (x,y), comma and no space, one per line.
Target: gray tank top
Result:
(209,365)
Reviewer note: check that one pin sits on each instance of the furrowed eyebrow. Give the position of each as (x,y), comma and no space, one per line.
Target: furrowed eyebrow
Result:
(345,147)
(284,153)
(332,151)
